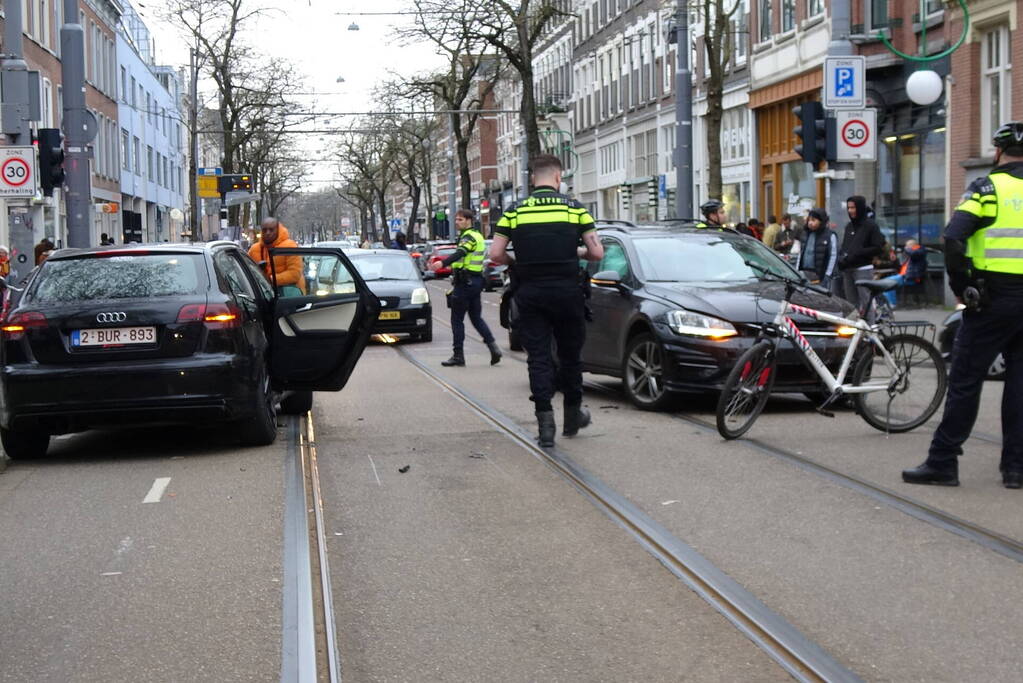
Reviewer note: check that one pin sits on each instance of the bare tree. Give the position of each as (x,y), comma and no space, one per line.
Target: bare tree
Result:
(463,85)
(719,47)
(252,90)
(512,29)
(365,165)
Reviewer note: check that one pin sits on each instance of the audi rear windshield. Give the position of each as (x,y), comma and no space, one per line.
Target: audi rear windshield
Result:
(120,276)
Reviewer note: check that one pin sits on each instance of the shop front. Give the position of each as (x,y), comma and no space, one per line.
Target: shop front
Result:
(787,184)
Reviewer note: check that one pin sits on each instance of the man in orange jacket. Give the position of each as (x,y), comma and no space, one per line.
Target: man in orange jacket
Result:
(288,268)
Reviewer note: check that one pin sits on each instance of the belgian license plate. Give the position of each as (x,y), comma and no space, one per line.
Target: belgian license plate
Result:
(390,315)
(113,336)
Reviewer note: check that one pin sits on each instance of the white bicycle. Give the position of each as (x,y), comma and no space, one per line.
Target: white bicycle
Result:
(898,376)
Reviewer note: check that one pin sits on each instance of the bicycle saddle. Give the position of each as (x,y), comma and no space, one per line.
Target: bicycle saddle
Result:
(876,286)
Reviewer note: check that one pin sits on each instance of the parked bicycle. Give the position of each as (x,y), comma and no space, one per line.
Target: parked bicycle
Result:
(898,376)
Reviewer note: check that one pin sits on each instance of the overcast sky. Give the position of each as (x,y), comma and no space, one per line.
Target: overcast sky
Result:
(314,35)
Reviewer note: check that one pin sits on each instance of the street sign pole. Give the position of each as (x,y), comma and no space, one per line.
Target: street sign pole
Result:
(79,129)
(683,117)
(15,115)
(841,186)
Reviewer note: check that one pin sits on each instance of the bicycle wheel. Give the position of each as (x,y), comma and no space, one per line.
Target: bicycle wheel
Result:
(915,397)
(746,390)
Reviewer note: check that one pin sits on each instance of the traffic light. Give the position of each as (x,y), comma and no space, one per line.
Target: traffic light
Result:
(234,182)
(51,159)
(813,131)
(626,193)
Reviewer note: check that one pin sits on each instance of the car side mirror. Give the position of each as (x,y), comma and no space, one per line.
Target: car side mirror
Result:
(607,278)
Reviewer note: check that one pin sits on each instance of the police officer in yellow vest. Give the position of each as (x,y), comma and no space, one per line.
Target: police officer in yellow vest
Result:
(467,277)
(714,215)
(984,258)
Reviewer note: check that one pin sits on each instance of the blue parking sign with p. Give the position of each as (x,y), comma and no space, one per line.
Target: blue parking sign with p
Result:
(845,82)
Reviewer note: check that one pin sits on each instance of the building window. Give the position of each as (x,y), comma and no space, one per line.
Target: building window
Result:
(764,17)
(136,147)
(740,27)
(814,7)
(47,101)
(125,151)
(878,10)
(995,84)
(788,15)
(149,160)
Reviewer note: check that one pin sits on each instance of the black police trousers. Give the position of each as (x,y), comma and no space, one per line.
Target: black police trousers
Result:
(983,334)
(465,298)
(546,312)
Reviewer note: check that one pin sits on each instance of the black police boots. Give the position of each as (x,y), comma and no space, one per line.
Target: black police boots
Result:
(576,417)
(545,420)
(934,475)
(495,353)
(457,359)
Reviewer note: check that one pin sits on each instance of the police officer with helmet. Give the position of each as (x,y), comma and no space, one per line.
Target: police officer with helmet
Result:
(545,230)
(714,215)
(467,276)
(984,259)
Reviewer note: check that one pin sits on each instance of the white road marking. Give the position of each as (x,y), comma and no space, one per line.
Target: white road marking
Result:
(111,574)
(373,464)
(156,492)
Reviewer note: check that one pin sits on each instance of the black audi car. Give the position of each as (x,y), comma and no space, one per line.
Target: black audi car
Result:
(674,307)
(175,334)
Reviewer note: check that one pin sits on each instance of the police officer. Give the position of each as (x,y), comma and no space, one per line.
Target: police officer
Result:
(985,269)
(545,230)
(714,214)
(467,276)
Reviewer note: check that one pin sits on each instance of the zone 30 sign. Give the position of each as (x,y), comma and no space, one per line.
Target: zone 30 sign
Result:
(856,138)
(17,172)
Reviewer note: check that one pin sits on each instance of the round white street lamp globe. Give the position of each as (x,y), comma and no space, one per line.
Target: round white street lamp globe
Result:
(924,87)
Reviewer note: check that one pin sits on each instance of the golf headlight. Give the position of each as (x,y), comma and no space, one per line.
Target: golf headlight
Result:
(699,325)
(420,296)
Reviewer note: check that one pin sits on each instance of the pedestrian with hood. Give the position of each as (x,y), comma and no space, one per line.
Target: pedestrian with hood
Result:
(861,242)
(819,253)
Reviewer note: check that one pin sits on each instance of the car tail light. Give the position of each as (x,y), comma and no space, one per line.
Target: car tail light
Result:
(222,316)
(192,313)
(15,326)
(214,316)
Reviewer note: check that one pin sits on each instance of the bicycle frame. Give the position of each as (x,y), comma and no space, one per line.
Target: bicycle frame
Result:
(786,328)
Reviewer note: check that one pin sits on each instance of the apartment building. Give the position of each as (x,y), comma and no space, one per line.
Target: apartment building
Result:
(151,138)
(980,91)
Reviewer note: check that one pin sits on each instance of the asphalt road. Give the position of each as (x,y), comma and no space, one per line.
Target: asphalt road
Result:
(479,562)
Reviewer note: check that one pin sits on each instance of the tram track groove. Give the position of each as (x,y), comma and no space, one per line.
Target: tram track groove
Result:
(987,538)
(309,639)
(804,659)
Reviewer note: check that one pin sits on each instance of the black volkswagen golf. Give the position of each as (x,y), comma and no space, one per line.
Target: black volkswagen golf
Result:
(174,333)
(674,307)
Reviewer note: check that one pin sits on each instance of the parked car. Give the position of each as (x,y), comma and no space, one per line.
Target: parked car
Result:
(439,253)
(173,334)
(494,275)
(673,307)
(946,344)
(404,300)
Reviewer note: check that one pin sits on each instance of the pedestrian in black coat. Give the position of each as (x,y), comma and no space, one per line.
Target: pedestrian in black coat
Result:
(861,242)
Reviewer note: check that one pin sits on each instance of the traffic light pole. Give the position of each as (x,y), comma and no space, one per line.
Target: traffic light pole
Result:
(683,117)
(79,129)
(840,174)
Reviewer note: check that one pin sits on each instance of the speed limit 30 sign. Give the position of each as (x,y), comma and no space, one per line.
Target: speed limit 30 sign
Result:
(17,171)
(856,134)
